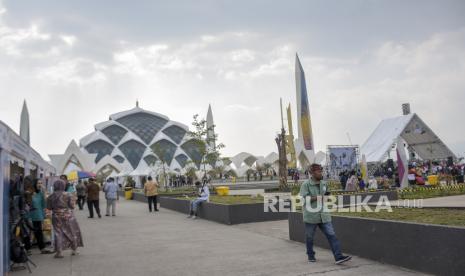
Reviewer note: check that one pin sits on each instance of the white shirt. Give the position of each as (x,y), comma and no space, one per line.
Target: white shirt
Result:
(204,192)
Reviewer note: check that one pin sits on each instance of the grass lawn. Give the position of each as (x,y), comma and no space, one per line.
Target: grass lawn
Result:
(181,190)
(231,200)
(441,216)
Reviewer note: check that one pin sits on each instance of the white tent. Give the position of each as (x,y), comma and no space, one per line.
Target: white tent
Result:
(418,136)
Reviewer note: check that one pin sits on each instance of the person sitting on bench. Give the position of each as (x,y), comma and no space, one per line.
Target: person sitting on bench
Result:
(203,195)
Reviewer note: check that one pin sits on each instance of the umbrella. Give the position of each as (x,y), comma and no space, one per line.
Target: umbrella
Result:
(75,175)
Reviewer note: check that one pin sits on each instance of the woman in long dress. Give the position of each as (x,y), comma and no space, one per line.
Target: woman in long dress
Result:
(66,228)
(351,184)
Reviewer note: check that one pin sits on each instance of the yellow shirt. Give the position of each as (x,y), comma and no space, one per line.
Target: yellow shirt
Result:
(151,188)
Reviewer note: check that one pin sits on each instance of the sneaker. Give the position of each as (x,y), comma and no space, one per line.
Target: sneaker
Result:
(58,256)
(75,252)
(311,259)
(107,215)
(90,217)
(343,259)
(189,216)
(99,216)
(194,217)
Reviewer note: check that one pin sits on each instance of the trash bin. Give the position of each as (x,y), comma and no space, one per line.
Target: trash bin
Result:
(433,179)
(128,193)
(222,190)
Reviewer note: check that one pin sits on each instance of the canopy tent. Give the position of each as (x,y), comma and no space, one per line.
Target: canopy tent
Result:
(416,134)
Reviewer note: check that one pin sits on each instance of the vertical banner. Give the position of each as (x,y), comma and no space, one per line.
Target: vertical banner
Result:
(401,163)
(364,169)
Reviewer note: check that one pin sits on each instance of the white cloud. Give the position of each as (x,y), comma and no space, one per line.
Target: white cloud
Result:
(74,71)
(242,108)
(69,39)
(12,40)
(243,78)
(242,56)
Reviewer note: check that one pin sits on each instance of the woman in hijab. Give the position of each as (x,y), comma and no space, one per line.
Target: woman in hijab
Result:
(66,229)
(351,184)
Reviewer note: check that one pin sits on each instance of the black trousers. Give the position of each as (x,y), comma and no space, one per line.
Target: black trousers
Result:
(39,234)
(152,200)
(81,200)
(90,205)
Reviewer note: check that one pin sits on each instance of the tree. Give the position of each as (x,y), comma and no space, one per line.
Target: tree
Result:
(281,143)
(267,168)
(161,153)
(206,145)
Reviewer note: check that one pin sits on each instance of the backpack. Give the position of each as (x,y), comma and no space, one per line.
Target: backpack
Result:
(17,252)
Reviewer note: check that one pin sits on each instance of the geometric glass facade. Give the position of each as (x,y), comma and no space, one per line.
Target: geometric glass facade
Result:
(150,159)
(165,148)
(182,159)
(175,133)
(143,125)
(135,135)
(100,147)
(192,150)
(115,133)
(133,152)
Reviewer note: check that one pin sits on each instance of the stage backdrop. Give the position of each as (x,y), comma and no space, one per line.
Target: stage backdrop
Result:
(342,158)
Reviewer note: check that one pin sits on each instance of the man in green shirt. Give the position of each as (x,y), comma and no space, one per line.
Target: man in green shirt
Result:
(313,192)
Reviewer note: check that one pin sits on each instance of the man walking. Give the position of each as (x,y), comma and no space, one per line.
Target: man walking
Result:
(111,195)
(313,191)
(81,194)
(151,192)
(93,195)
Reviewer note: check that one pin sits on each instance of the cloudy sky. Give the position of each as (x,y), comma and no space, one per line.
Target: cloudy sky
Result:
(77,62)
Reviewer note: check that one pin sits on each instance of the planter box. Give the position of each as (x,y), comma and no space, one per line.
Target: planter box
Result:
(141,197)
(391,195)
(427,248)
(222,213)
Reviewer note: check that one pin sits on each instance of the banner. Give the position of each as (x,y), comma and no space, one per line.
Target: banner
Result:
(342,159)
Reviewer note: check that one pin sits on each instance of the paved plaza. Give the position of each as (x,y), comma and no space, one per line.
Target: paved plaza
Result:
(136,242)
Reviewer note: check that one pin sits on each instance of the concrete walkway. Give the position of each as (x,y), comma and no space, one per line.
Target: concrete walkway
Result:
(137,242)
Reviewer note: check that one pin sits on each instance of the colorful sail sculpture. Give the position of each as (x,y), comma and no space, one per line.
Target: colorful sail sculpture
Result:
(303,107)
(402,165)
